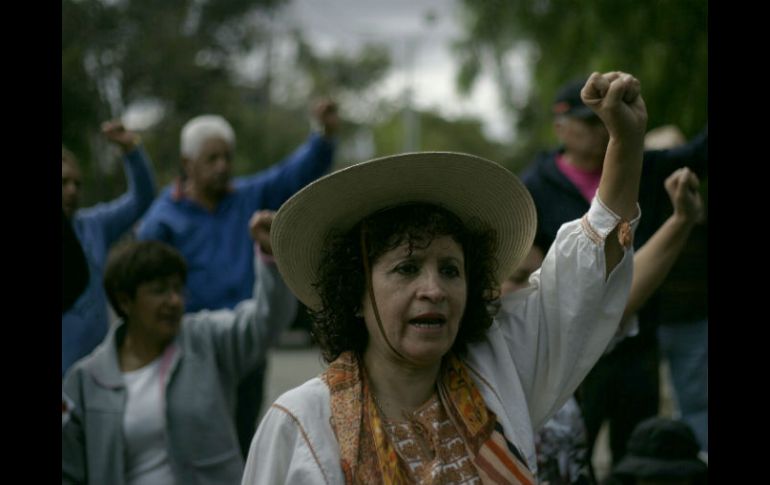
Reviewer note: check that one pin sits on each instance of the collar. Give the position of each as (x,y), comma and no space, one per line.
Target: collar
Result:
(550,173)
(104,364)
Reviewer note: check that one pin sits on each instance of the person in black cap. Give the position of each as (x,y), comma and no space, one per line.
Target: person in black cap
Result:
(660,451)
(623,387)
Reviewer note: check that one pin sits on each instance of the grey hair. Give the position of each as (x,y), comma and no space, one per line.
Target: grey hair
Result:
(199,129)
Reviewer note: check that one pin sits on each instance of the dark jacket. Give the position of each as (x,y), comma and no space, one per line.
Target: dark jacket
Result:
(558,201)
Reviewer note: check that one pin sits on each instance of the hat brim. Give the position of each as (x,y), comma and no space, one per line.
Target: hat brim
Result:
(473,188)
(647,467)
(581,112)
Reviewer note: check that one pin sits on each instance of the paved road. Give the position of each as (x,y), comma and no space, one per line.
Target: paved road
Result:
(288,369)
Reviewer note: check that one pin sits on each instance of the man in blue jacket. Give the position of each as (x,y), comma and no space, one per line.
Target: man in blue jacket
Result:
(205,215)
(623,387)
(85,324)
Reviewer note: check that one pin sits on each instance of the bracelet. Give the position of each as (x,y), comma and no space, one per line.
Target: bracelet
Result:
(625,236)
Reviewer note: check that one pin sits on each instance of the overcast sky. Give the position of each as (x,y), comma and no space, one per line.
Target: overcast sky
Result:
(420,50)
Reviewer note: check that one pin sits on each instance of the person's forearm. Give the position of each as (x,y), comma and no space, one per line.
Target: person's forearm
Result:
(140,177)
(622,170)
(619,189)
(655,259)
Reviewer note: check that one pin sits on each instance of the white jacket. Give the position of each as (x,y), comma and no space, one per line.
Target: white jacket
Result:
(543,342)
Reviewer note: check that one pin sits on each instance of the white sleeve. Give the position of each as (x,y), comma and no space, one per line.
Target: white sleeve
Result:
(281,454)
(556,329)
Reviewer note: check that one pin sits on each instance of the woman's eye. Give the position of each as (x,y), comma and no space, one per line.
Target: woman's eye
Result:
(406,268)
(451,271)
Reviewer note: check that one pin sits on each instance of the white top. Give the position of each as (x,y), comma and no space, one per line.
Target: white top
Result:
(543,342)
(144,428)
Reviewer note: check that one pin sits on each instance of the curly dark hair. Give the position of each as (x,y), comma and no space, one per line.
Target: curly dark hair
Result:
(132,263)
(342,280)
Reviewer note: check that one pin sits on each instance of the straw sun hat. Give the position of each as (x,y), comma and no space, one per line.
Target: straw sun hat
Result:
(469,186)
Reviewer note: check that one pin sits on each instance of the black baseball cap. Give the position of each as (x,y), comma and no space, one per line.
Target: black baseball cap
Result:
(568,102)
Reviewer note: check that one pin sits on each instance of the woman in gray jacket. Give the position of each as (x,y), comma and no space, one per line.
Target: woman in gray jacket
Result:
(153,403)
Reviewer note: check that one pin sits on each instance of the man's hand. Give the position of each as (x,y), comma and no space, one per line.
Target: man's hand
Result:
(616,98)
(259,229)
(115,132)
(682,187)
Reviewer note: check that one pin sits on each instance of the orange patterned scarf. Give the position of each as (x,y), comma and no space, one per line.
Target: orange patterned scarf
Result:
(368,456)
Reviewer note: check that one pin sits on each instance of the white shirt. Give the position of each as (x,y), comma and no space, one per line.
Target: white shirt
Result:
(144,428)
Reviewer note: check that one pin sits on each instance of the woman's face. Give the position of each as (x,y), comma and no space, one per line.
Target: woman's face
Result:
(421,299)
(155,313)
(585,138)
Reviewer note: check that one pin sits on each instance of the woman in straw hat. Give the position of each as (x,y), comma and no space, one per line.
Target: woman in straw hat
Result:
(400,260)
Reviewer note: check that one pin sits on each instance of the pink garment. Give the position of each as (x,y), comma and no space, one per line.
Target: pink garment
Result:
(587,181)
